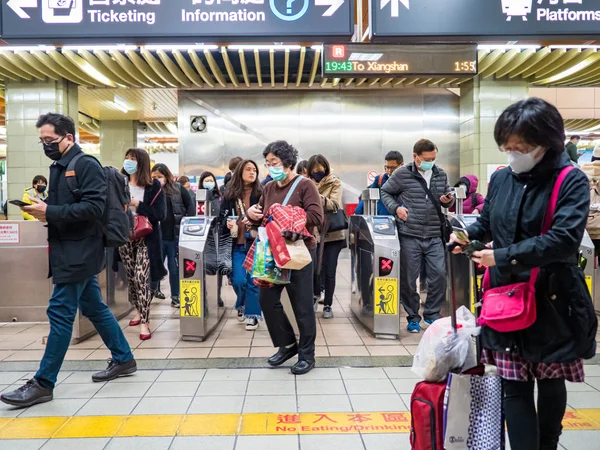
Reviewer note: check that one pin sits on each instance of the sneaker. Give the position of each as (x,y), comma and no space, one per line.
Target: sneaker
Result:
(221,303)
(426,323)
(159,295)
(327,313)
(175,302)
(316,304)
(31,393)
(115,370)
(252,324)
(322,299)
(413,327)
(240,316)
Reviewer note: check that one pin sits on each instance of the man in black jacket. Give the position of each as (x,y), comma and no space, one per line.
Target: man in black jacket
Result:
(75,237)
(415,193)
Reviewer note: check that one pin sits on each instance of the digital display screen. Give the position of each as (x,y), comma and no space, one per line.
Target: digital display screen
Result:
(380,220)
(196,221)
(360,60)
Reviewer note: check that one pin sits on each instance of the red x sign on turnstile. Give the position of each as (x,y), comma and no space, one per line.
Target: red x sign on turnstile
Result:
(386,264)
(190,266)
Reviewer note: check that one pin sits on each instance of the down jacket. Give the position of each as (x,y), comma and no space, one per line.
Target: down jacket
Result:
(405,188)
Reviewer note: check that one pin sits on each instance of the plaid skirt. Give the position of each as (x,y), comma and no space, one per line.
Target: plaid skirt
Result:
(513,367)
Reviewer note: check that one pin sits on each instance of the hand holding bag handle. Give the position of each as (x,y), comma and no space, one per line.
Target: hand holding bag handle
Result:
(142,226)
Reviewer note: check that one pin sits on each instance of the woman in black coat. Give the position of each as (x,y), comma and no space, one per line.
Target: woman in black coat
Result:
(550,351)
(143,258)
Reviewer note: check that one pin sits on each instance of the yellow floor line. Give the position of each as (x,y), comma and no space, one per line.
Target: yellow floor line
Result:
(232,424)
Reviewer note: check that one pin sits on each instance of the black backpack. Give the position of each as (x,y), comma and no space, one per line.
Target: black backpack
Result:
(117,221)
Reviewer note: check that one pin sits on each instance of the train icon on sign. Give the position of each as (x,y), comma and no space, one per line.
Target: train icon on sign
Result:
(516,8)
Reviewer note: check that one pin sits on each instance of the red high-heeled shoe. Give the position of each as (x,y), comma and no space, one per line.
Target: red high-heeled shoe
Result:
(145,337)
(134,323)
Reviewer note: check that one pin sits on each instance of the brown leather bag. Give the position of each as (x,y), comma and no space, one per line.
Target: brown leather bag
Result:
(142,226)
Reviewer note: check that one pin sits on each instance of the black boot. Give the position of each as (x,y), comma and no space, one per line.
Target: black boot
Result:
(29,394)
(283,355)
(116,370)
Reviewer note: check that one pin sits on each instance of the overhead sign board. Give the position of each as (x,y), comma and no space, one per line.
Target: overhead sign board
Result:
(194,19)
(360,60)
(448,19)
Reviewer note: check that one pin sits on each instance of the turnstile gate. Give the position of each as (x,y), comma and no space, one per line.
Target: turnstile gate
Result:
(375,253)
(199,311)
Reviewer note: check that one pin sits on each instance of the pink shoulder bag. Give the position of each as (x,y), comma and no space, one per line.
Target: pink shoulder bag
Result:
(513,307)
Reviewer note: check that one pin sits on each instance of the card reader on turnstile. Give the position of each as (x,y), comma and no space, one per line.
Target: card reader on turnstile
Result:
(199,310)
(375,250)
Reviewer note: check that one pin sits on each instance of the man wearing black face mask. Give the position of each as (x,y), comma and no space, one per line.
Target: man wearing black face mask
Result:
(77,256)
(37,191)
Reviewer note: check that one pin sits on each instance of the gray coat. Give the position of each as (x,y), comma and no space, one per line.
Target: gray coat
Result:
(404,188)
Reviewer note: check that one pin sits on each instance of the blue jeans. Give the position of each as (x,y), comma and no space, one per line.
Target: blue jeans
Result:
(61,312)
(244,287)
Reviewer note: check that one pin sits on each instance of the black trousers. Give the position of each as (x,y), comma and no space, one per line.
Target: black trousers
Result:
(300,291)
(529,429)
(326,279)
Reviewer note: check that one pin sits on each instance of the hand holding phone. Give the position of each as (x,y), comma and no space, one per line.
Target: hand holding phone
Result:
(18,203)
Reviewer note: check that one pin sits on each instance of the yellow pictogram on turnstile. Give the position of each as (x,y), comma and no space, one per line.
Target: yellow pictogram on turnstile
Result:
(190,298)
(386,296)
(588,281)
(479,281)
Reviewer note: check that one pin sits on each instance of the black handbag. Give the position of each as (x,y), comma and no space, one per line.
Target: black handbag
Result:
(338,221)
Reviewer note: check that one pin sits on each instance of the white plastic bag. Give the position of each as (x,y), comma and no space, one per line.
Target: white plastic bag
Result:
(442,350)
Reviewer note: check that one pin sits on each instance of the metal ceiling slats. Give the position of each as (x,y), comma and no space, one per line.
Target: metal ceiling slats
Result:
(187,69)
(487,62)
(516,62)
(244,67)
(348,82)
(201,68)
(554,58)
(229,67)
(18,71)
(60,70)
(88,69)
(131,68)
(214,67)
(174,69)
(572,58)
(7,74)
(272,66)
(313,70)
(158,68)
(361,81)
(143,67)
(568,72)
(591,73)
(66,64)
(540,55)
(286,68)
(103,68)
(499,63)
(36,65)
(115,68)
(301,66)
(258,69)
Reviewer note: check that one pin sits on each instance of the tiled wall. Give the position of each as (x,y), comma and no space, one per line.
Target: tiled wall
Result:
(25,102)
(481,103)
(116,136)
(573,103)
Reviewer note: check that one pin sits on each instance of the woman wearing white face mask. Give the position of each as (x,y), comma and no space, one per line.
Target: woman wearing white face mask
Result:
(142,258)
(179,205)
(549,351)
(209,182)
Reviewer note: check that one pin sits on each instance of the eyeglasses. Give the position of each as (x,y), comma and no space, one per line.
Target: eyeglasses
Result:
(52,140)
(392,168)
(273,164)
(523,151)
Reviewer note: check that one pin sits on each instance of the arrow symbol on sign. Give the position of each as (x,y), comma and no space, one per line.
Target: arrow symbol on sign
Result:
(18,5)
(395,5)
(334,5)
(185,291)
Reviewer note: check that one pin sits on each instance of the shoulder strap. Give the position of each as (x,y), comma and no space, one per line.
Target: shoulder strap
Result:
(547,225)
(71,176)
(155,197)
(434,200)
(291,191)
(379,180)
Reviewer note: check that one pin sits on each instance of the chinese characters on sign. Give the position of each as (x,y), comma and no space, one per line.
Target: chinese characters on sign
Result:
(9,233)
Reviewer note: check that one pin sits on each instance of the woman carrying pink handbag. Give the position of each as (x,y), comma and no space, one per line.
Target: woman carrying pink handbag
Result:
(538,321)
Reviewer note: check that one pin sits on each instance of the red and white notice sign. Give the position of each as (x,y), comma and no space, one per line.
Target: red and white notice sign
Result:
(371,176)
(9,233)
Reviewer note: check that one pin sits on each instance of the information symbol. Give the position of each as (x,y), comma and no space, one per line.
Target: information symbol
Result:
(287,7)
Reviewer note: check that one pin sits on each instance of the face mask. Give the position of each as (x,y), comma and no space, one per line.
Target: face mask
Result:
(210,185)
(277,173)
(130,166)
(426,165)
(318,176)
(41,189)
(162,181)
(52,151)
(524,162)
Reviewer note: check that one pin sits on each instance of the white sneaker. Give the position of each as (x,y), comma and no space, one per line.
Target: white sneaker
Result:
(252,324)
(240,316)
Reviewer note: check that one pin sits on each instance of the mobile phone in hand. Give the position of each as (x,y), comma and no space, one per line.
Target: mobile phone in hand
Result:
(18,203)
(461,234)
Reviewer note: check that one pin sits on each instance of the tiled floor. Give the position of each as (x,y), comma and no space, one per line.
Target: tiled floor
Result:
(341,336)
(241,391)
